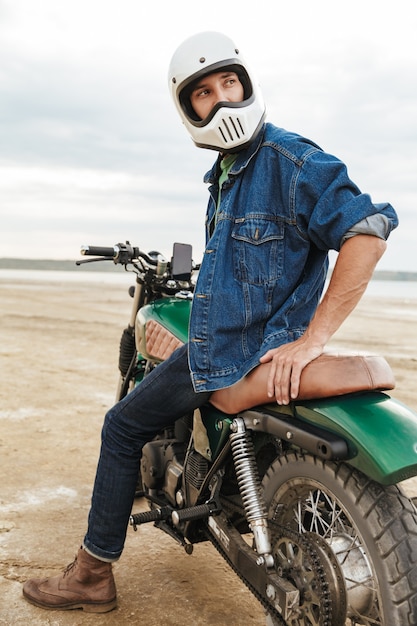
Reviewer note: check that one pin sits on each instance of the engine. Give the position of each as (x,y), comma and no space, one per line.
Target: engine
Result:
(162,466)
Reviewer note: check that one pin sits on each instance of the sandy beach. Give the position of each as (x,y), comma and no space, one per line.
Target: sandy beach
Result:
(59,349)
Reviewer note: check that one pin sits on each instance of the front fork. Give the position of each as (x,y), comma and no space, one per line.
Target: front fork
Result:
(249,486)
(127,352)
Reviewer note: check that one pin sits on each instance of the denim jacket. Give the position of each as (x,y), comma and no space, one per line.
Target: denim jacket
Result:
(285,204)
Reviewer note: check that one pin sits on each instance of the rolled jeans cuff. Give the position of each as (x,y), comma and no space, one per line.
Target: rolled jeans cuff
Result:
(99,554)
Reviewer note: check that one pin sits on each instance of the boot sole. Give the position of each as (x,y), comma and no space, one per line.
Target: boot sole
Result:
(85,606)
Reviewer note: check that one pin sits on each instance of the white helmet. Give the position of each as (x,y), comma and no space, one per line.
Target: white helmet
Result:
(230,126)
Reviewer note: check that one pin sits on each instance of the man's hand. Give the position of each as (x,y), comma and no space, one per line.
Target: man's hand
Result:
(287,363)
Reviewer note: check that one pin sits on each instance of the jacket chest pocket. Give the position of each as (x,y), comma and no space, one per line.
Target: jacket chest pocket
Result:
(258,250)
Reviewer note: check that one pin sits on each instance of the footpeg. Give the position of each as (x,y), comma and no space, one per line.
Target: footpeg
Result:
(201,511)
(154,515)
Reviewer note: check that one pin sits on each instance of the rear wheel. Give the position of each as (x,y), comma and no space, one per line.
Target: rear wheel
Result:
(364,533)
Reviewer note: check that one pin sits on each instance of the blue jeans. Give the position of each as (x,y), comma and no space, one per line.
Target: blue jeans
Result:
(164,396)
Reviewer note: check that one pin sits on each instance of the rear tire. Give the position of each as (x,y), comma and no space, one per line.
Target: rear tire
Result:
(370,530)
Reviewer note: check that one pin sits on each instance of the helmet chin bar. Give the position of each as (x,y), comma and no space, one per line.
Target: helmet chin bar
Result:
(229,130)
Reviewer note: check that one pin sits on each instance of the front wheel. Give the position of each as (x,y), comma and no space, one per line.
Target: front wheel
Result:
(364,533)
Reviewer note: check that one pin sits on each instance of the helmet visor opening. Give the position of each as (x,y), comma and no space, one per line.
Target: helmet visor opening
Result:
(188,87)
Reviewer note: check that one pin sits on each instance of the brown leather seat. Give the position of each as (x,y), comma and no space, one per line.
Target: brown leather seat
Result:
(331,374)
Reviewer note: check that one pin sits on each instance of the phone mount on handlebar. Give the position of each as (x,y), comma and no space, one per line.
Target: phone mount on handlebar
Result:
(182,262)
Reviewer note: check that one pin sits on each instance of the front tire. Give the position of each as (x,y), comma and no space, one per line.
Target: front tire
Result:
(365,531)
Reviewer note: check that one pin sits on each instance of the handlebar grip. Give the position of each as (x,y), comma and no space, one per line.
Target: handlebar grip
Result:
(99,251)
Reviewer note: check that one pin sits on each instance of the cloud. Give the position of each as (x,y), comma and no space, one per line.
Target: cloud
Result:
(90,144)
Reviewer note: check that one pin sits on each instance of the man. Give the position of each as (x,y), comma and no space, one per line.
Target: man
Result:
(278,204)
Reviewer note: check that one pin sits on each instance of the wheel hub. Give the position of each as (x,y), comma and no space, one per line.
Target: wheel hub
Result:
(357,573)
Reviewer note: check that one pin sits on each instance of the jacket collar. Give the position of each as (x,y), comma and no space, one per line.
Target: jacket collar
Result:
(241,162)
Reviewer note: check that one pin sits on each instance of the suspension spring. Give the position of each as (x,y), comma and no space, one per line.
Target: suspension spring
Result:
(247,471)
(250,489)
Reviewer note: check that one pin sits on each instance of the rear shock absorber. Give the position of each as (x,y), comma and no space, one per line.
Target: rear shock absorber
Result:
(249,486)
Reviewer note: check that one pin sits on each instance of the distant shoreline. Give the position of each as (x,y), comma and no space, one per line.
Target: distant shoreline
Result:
(70,266)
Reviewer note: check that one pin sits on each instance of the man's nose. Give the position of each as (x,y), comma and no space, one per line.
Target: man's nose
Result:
(220,95)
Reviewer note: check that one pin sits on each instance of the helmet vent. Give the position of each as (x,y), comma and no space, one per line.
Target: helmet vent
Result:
(231,129)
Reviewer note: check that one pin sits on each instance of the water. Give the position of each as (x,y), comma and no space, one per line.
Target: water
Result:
(394,289)
(76,276)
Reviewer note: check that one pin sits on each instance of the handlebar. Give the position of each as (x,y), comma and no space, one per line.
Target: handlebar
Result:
(121,253)
(179,268)
(99,251)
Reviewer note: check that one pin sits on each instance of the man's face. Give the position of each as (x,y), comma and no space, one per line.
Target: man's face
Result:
(217,87)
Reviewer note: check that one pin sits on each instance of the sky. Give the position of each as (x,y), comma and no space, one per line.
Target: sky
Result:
(93,152)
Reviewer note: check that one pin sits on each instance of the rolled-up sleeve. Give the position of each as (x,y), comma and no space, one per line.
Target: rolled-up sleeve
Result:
(378,225)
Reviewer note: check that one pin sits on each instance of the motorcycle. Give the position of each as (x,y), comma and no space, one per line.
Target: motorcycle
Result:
(302,501)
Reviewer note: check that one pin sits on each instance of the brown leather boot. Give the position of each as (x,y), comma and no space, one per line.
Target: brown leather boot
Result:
(86,583)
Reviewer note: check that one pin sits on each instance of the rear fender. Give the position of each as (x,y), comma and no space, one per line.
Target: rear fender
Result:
(380,432)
